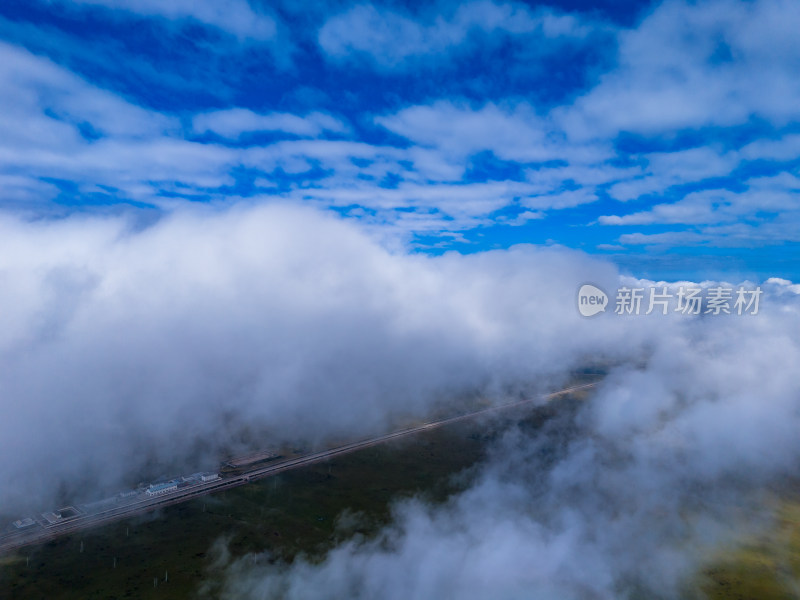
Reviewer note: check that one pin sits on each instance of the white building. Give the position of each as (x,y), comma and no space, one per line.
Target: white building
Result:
(156,489)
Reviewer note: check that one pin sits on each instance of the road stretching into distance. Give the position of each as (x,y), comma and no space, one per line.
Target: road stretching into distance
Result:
(13,540)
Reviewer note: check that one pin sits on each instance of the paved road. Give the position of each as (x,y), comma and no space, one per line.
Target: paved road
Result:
(42,532)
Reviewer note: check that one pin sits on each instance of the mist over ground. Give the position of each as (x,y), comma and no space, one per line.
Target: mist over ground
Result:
(673,456)
(122,346)
(125,346)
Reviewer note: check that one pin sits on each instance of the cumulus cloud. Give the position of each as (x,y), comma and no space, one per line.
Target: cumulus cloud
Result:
(739,61)
(166,343)
(626,497)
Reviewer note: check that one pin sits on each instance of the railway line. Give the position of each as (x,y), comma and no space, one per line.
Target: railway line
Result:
(43,532)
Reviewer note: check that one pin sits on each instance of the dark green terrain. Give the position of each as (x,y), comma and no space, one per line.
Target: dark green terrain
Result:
(168,554)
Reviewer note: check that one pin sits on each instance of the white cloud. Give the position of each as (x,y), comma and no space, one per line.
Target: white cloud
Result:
(581,174)
(56,125)
(765,212)
(53,124)
(456,201)
(343,158)
(691,165)
(393,40)
(698,207)
(44,104)
(785,148)
(633,189)
(514,133)
(784,284)
(23,189)
(235,122)
(664,170)
(140,154)
(234,16)
(669,238)
(633,495)
(276,317)
(740,60)
(560,200)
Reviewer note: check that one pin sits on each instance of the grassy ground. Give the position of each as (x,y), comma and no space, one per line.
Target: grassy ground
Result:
(286,514)
(764,568)
(297,512)
(167,554)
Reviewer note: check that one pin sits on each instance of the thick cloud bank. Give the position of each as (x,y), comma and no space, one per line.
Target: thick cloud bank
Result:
(122,347)
(623,500)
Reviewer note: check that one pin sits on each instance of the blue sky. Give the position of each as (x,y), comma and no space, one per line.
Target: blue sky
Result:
(662,135)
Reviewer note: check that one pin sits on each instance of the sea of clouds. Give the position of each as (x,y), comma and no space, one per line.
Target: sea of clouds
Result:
(124,346)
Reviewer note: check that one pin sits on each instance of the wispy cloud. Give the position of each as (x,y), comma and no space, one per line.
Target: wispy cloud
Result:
(236,17)
(236,122)
(392,39)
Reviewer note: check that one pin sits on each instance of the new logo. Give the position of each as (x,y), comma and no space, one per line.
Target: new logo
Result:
(591,300)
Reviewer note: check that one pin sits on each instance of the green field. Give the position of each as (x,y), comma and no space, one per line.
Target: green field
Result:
(279,516)
(766,567)
(171,553)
